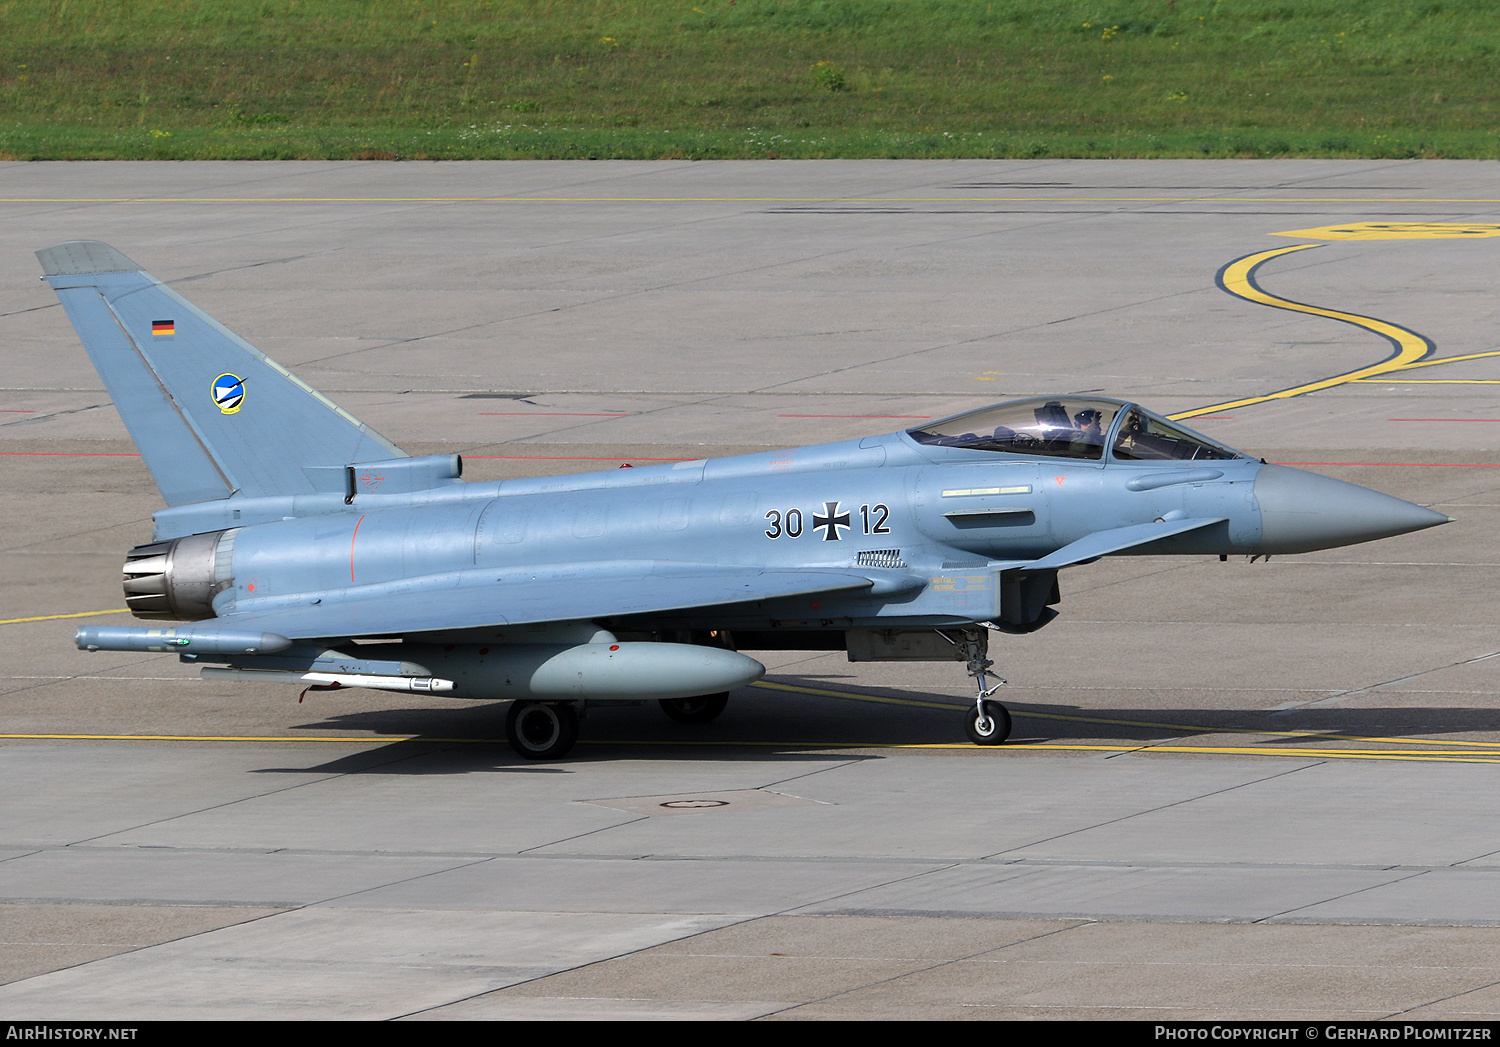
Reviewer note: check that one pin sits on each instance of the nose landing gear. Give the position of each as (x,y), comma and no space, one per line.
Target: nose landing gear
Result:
(988,723)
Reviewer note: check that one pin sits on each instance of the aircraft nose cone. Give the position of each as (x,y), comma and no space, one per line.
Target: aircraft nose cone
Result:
(1302,511)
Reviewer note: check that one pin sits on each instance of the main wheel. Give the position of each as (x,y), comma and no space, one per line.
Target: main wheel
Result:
(993,729)
(541,730)
(702,708)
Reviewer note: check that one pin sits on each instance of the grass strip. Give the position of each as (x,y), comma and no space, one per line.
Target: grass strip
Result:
(441,79)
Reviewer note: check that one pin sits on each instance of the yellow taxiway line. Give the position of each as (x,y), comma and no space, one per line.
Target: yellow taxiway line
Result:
(1411,349)
(873,698)
(1305,753)
(240,738)
(1056,198)
(1110,722)
(53,617)
(1238,279)
(1448,756)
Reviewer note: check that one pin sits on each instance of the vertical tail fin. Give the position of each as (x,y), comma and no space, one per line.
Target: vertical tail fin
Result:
(209,412)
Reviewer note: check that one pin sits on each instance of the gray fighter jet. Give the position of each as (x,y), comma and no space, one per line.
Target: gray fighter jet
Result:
(299,545)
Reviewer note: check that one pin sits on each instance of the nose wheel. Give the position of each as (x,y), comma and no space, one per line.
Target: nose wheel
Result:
(988,723)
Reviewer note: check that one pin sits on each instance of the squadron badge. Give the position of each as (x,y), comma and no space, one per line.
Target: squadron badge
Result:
(229,393)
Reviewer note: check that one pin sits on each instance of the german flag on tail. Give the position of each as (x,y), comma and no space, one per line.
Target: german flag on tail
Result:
(163,327)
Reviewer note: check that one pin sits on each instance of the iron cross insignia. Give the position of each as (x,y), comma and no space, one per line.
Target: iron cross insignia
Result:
(831,521)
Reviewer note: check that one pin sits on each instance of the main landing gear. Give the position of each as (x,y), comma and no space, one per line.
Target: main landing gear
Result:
(988,723)
(541,730)
(703,708)
(548,730)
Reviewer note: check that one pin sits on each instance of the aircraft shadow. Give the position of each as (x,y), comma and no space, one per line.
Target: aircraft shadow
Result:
(762,724)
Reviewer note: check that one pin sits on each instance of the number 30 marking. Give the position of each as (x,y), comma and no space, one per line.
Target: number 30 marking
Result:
(789,525)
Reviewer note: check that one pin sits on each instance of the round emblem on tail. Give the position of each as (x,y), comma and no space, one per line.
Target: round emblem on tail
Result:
(228,392)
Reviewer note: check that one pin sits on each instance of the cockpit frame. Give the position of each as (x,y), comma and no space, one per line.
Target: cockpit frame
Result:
(1081,428)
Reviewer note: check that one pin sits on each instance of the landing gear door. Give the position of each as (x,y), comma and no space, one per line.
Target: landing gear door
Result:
(1026,600)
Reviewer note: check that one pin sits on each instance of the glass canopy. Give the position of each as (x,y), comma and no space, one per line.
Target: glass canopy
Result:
(1072,427)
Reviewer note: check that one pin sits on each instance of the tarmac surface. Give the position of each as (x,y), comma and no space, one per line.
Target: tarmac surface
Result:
(1235,790)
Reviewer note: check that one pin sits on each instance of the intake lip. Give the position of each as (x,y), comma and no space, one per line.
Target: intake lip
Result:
(1302,511)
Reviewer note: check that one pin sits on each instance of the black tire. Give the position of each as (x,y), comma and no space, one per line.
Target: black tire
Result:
(998,724)
(703,708)
(541,730)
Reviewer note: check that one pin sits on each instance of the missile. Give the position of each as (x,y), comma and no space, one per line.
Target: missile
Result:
(414,684)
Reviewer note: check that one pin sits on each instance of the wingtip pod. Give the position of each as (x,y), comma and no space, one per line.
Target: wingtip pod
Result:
(83,258)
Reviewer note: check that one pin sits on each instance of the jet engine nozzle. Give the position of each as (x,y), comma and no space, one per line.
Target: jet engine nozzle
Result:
(177,580)
(1302,511)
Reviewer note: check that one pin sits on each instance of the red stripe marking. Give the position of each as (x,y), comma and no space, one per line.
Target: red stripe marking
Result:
(549,458)
(496,457)
(14,410)
(351,548)
(1410,465)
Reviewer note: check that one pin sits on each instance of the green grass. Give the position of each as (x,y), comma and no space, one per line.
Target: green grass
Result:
(173,79)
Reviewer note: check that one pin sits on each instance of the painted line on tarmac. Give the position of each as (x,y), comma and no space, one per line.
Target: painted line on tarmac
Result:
(1408,465)
(239,738)
(853,696)
(1453,360)
(1410,350)
(53,617)
(594,458)
(1428,756)
(1480,746)
(1238,278)
(1398,231)
(1305,753)
(565,458)
(1448,755)
(1054,198)
(1453,756)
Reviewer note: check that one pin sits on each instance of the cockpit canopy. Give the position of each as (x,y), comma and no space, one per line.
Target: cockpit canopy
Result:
(1072,427)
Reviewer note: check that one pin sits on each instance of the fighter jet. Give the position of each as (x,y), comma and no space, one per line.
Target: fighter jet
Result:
(299,545)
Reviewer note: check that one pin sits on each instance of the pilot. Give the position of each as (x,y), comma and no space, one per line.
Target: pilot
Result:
(1088,434)
(1090,422)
